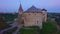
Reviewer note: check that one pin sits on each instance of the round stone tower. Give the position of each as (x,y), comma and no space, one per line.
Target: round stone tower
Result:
(44,12)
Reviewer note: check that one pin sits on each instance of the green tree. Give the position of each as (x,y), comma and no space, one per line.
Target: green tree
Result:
(3,23)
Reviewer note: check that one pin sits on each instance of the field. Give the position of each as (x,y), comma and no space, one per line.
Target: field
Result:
(48,28)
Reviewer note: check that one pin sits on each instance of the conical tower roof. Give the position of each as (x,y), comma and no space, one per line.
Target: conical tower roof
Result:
(20,8)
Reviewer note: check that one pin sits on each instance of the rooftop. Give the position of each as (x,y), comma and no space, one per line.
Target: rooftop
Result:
(33,9)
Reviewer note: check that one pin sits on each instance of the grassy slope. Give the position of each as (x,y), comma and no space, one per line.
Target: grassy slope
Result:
(34,30)
(49,28)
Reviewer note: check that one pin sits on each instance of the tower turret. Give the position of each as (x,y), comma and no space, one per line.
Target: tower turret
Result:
(20,15)
(20,11)
(44,12)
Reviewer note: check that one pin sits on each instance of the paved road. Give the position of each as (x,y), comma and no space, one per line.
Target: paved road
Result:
(12,26)
(1,32)
(15,32)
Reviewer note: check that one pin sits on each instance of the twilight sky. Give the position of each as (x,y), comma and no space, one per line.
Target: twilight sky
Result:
(13,5)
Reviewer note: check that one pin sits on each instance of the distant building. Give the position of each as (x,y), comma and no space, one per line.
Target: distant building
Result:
(32,17)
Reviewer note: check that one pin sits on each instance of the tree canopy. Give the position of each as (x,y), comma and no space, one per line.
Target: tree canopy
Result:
(3,23)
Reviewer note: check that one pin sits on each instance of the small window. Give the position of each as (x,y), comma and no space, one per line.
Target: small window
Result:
(29,14)
(35,14)
(43,14)
(37,22)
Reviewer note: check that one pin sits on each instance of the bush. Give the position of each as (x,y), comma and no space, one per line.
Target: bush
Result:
(49,28)
(3,23)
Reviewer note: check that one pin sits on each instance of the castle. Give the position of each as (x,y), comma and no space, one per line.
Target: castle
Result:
(32,17)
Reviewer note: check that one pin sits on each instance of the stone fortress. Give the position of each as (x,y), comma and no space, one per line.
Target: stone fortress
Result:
(32,16)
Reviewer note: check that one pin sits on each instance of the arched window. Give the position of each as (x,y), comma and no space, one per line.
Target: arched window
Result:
(37,22)
(22,21)
(35,14)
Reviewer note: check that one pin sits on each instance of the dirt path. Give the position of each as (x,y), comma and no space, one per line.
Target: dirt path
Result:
(55,23)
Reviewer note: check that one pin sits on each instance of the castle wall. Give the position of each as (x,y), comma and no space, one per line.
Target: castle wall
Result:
(33,19)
